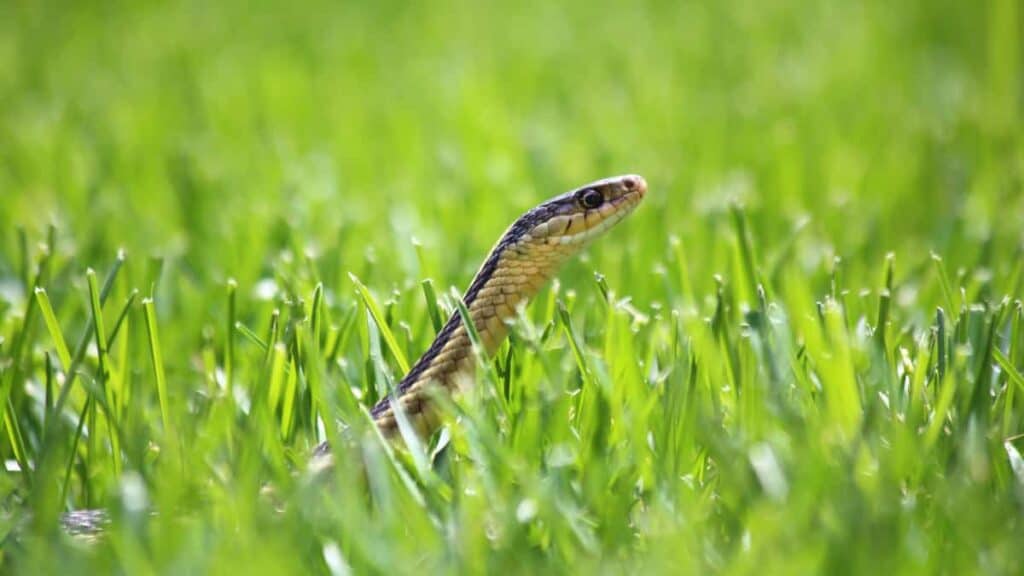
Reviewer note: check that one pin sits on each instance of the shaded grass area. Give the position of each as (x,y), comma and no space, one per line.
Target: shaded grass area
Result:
(226,229)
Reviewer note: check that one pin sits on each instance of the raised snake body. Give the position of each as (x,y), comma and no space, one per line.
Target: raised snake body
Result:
(522,261)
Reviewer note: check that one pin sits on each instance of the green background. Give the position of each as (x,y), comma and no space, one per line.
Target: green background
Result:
(803,353)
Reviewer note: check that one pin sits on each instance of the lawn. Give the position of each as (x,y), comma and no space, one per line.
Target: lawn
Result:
(226,227)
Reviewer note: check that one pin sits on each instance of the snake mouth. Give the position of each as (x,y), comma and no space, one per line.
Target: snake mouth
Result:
(634,189)
(635,184)
(629,191)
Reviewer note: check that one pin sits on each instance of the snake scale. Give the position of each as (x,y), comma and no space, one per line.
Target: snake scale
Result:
(526,256)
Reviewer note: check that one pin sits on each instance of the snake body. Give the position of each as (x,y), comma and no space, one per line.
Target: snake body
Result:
(525,257)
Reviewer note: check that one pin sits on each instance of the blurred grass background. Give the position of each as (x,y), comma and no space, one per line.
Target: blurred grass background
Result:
(766,390)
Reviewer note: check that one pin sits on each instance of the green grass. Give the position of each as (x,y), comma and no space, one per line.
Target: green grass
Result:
(802,354)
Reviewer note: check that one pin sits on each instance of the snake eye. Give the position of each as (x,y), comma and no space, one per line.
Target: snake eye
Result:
(591,198)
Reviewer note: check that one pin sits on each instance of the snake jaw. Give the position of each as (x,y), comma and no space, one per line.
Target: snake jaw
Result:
(574,224)
(567,221)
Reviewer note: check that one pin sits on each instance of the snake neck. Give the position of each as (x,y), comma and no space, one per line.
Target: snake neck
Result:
(510,276)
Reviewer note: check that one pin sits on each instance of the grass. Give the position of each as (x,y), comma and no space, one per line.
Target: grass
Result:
(225,229)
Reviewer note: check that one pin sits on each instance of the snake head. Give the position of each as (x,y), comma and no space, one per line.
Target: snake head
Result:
(582,214)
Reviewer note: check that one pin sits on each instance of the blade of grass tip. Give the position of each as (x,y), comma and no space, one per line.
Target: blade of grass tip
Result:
(421,256)
(746,248)
(382,326)
(14,352)
(251,336)
(280,357)
(378,380)
(102,381)
(917,380)
(467,321)
(273,333)
(947,393)
(1007,366)
(577,350)
(884,301)
(121,318)
(63,354)
(764,327)
(108,280)
(83,341)
(1016,378)
(297,345)
(51,238)
(124,369)
(18,442)
(154,270)
(316,315)
(506,376)
(720,323)
(842,397)
(478,352)
(344,333)
(430,295)
(581,363)
(961,328)
(602,286)
(229,338)
(474,337)
(983,381)
(947,289)
(331,342)
(835,279)
(12,374)
(156,356)
(98,326)
(551,308)
(313,373)
(762,306)
(940,343)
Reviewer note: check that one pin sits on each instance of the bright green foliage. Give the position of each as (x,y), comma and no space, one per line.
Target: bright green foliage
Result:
(802,354)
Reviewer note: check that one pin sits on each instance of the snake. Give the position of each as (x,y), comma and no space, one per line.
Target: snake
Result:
(524,259)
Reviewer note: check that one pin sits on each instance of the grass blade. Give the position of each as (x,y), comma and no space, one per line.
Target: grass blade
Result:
(430,296)
(156,356)
(378,318)
(229,336)
(54,327)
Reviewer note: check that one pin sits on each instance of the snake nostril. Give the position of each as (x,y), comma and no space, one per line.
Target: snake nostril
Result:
(629,182)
